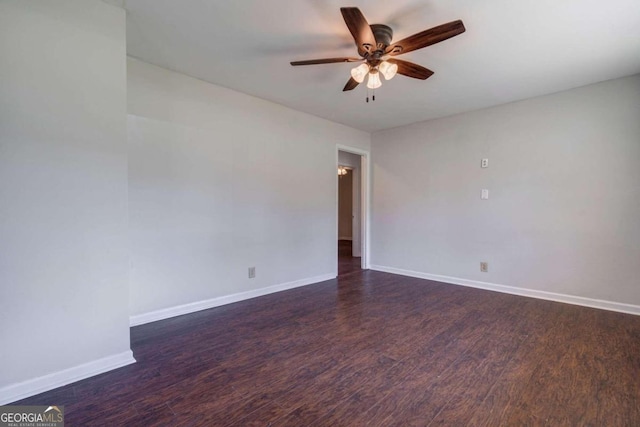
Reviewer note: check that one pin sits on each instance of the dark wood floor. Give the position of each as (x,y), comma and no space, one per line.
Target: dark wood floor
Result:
(373,349)
(346,262)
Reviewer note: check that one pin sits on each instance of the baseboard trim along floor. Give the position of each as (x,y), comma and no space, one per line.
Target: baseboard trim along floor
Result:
(14,392)
(551,296)
(179,310)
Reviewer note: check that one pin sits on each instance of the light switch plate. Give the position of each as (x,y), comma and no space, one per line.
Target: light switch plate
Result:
(485,194)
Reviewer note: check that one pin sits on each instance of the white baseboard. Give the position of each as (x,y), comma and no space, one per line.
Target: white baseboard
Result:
(18,391)
(179,310)
(551,296)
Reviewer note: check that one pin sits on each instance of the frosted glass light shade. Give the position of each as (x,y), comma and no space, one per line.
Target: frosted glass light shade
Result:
(388,69)
(360,72)
(374,81)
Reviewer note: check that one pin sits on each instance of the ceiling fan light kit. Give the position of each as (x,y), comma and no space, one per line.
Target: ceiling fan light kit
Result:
(374,80)
(377,52)
(360,72)
(388,69)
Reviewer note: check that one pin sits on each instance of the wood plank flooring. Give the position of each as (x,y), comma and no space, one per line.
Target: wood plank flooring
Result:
(374,349)
(346,263)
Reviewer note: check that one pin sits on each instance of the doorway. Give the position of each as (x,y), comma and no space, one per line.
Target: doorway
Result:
(351,211)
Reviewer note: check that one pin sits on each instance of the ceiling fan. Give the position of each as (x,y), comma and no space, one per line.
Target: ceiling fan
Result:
(377,52)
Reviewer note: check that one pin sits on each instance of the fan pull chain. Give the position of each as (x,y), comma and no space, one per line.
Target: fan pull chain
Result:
(373,94)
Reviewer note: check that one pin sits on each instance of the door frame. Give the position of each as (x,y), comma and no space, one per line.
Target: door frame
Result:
(365,198)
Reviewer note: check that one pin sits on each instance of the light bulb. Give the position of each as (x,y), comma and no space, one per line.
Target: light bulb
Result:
(374,80)
(360,72)
(388,69)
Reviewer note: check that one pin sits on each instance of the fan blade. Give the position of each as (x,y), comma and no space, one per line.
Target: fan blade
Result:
(325,61)
(426,38)
(360,29)
(351,84)
(410,69)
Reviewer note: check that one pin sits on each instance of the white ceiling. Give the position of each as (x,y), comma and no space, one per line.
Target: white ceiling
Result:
(511,50)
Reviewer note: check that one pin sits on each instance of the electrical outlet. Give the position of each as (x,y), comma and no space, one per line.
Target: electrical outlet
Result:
(484,267)
(484,163)
(252,272)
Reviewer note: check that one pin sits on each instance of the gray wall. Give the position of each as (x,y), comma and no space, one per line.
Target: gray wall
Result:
(564,209)
(220,181)
(63,193)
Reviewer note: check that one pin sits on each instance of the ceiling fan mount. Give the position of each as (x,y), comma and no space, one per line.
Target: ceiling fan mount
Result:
(383,35)
(377,51)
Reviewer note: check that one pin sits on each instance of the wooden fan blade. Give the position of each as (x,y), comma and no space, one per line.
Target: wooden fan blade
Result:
(351,84)
(410,69)
(426,38)
(360,29)
(325,61)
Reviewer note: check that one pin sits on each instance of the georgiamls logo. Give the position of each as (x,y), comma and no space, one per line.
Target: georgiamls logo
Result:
(32,416)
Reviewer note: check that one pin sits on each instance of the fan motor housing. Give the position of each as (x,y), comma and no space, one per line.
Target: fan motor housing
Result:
(383,35)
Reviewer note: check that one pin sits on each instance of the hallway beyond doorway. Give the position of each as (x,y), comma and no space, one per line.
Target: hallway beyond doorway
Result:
(346,262)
